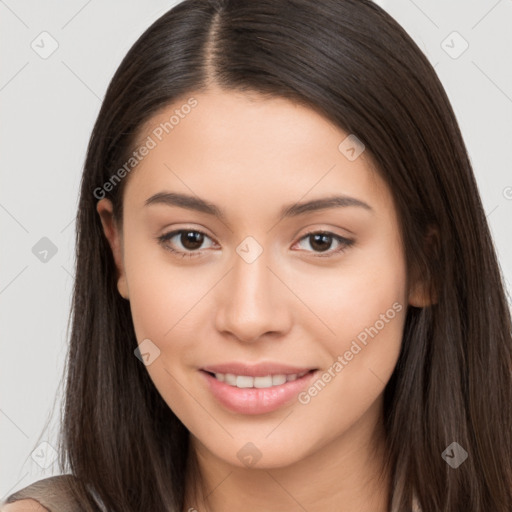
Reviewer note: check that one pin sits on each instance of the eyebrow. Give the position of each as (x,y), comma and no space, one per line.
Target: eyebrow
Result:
(291,210)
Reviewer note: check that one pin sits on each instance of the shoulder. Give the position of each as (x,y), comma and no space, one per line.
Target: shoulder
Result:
(52,494)
(26,505)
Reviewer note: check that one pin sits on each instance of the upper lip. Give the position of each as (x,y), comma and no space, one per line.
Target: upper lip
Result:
(256,370)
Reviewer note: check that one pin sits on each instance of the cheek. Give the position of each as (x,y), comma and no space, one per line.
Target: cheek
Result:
(162,299)
(364,286)
(168,304)
(364,305)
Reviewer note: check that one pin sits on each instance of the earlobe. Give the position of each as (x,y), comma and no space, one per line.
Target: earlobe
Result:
(420,297)
(422,293)
(122,287)
(114,237)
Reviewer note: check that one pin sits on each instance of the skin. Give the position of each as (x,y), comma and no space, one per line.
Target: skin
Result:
(251,155)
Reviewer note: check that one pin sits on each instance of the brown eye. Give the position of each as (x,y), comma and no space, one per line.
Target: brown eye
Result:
(191,240)
(321,242)
(186,242)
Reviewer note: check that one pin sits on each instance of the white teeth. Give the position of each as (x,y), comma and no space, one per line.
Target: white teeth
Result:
(263,382)
(277,380)
(245,381)
(230,379)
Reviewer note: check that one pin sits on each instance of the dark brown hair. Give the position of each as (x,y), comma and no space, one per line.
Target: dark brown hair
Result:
(350,61)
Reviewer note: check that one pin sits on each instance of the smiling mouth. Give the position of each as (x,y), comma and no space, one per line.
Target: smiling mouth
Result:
(258,389)
(260,382)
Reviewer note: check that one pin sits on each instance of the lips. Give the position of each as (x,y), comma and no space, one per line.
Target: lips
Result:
(255,389)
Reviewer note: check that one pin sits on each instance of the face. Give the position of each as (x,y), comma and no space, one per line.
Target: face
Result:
(239,279)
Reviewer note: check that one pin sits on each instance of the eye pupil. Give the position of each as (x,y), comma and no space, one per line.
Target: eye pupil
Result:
(191,239)
(321,242)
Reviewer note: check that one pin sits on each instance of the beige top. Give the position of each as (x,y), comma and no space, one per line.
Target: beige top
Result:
(52,493)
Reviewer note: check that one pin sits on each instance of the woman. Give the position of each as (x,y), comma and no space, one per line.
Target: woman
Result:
(287,296)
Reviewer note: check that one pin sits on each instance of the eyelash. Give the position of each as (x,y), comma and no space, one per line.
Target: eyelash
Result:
(344,243)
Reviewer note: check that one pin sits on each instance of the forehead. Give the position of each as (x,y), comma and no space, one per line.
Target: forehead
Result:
(258,149)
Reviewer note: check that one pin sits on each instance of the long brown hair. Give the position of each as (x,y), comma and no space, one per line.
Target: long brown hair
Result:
(350,61)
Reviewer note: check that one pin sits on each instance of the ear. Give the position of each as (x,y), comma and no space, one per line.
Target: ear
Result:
(422,293)
(115,240)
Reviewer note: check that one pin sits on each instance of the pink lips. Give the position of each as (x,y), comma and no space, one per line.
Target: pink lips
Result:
(256,400)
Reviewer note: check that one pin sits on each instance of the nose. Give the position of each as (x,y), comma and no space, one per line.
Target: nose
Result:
(253,303)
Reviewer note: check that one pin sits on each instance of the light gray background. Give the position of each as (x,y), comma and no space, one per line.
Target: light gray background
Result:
(48,110)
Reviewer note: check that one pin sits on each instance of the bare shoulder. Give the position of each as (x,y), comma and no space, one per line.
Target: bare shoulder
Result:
(27,505)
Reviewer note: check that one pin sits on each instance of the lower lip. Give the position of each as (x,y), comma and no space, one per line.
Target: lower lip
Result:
(256,400)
